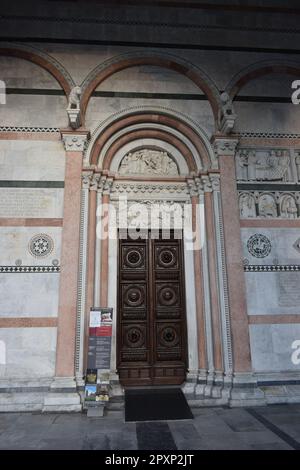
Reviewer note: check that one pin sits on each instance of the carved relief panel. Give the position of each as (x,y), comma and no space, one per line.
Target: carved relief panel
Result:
(148,162)
(260,165)
(268,183)
(267,204)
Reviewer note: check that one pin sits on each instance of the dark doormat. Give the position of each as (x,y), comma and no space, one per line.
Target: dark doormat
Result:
(156,405)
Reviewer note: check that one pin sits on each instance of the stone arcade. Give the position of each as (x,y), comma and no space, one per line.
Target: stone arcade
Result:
(203,130)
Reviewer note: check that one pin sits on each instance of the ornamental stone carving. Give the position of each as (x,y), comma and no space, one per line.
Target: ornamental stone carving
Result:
(259,245)
(225,147)
(41,245)
(73,108)
(227,115)
(74,142)
(148,162)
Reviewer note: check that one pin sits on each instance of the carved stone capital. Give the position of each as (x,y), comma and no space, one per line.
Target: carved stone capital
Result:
(105,185)
(86,179)
(94,182)
(206,181)
(225,146)
(74,141)
(193,187)
(215,181)
(108,186)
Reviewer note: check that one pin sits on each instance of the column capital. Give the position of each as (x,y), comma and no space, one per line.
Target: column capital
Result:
(194,186)
(86,178)
(225,146)
(74,141)
(211,182)
(104,184)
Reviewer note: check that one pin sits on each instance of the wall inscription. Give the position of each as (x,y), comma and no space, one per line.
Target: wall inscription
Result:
(25,202)
(288,289)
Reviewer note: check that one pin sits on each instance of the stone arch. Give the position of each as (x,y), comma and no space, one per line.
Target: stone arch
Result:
(176,127)
(259,69)
(42,59)
(151,57)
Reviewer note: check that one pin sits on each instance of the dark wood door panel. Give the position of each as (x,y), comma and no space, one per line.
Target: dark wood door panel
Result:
(151,340)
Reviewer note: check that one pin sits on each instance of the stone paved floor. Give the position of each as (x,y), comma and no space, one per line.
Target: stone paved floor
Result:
(272,427)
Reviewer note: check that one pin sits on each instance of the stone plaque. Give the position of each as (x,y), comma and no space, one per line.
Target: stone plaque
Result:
(30,203)
(288,289)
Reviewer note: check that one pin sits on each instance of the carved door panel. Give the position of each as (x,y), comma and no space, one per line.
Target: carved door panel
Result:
(151,312)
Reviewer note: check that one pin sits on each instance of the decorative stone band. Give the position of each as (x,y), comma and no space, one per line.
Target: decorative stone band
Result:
(30,269)
(53,130)
(181,190)
(28,322)
(74,141)
(271,268)
(267,135)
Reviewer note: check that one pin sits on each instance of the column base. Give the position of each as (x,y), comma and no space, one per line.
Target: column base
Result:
(63,396)
(245,391)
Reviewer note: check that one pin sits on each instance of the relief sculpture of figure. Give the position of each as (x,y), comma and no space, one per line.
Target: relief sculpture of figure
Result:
(278,166)
(267,206)
(242,165)
(274,166)
(247,206)
(288,208)
(297,161)
(252,165)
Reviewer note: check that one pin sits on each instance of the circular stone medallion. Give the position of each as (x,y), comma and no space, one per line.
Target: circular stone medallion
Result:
(259,245)
(41,245)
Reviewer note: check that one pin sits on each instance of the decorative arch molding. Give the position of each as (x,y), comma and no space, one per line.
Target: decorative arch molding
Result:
(42,59)
(148,117)
(149,134)
(152,126)
(151,57)
(259,69)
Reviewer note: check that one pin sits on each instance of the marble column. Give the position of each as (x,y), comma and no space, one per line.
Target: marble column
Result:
(105,242)
(225,151)
(64,380)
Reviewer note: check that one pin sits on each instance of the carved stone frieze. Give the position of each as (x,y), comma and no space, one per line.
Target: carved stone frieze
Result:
(265,165)
(266,205)
(140,190)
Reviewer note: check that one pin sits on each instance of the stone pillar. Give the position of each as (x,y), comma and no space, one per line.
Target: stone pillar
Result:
(105,243)
(222,283)
(242,370)
(64,395)
(214,292)
(82,278)
(196,262)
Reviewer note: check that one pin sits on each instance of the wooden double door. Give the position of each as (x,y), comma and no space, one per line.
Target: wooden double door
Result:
(152,338)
